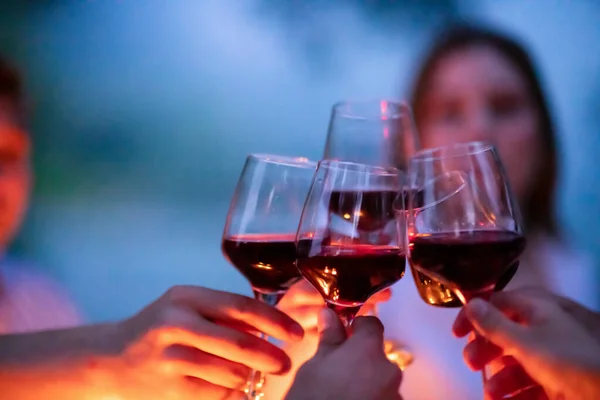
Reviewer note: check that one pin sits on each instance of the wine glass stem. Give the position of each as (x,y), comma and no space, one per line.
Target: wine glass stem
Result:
(346,314)
(347,320)
(256,380)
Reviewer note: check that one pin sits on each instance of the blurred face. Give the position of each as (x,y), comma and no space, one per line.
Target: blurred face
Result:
(477,94)
(14,175)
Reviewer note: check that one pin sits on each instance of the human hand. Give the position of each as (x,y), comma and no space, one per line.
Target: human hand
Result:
(543,340)
(196,343)
(303,304)
(353,368)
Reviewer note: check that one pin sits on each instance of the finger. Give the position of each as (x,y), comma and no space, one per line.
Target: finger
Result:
(367,330)
(331,331)
(230,344)
(498,364)
(227,307)
(199,389)
(239,326)
(493,325)
(188,361)
(515,305)
(479,352)
(509,381)
(462,326)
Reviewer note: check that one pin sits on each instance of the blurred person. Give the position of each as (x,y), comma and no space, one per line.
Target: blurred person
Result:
(29,300)
(477,84)
(551,345)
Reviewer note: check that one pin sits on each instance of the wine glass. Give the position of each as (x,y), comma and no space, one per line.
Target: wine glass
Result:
(464,227)
(383,133)
(349,267)
(373,132)
(260,232)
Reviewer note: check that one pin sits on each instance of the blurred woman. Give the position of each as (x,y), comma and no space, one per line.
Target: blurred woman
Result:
(28,299)
(476,84)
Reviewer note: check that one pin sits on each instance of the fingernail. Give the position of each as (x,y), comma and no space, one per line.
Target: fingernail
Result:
(297,331)
(477,308)
(325,319)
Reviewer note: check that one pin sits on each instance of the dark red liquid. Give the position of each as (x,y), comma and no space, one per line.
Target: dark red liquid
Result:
(267,261)
(371,210)
(471,262)
(347,275)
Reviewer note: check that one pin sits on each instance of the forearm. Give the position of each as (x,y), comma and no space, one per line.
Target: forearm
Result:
(76,364)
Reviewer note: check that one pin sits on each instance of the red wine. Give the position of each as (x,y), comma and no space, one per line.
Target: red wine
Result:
(471,262)
(267,261)
(370,209)
(347,275)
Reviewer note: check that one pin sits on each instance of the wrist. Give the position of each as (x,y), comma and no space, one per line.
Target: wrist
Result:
(101,364)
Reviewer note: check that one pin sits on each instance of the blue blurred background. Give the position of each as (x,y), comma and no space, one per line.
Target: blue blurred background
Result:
(144,112)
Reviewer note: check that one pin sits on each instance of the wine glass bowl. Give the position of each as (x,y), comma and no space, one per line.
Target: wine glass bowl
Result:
(350,261)
(374,132)
(467,232)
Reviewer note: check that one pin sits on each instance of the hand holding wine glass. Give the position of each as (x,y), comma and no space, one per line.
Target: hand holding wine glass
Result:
(366,372)
(259,236)
(348,266)
(191,343)
(549,339)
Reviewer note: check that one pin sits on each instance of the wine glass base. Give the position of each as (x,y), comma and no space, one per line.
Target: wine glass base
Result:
(398,354)
(255,391)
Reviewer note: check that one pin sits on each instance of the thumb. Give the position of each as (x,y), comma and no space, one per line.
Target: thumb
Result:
(331,331)
(495,326)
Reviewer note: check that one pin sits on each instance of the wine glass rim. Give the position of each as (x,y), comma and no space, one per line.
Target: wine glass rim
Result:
(359,167)
(400,108)
(447,196)
(453,151)
(299,162)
